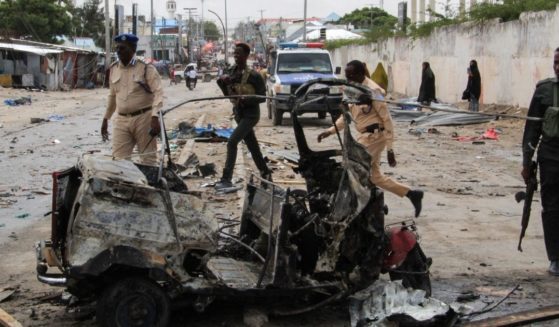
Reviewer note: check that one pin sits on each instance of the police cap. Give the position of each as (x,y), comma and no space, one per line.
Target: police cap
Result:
(126,37)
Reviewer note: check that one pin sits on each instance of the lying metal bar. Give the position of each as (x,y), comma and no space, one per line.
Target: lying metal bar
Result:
(165,111)
(519,318)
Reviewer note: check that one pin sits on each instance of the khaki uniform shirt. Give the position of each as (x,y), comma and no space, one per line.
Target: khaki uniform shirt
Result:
(364,116)
(126,94)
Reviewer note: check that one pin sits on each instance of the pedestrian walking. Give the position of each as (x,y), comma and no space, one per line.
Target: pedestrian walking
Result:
(545,137)
(135,94)
(376,132)
(427,87)
(241,80)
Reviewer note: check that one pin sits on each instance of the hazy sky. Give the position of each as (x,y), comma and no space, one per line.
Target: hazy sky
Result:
(241,9)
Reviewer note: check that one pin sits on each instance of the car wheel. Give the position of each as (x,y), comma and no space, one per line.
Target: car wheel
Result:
(277,115)
(134,301)
(414,271)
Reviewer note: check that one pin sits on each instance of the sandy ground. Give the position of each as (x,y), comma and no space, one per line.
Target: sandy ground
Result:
(469,224)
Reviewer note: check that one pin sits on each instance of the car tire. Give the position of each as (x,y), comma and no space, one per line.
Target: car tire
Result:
(277,115)
(134,301)
(414,271)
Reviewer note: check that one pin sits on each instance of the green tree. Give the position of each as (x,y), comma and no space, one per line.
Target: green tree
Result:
(39,20)
(211,32)
(89,21)
(369,18)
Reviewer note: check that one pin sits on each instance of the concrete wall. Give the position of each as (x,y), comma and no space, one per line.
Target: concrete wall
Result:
(512,57)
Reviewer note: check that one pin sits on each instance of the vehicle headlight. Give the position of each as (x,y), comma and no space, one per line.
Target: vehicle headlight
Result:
(279,88)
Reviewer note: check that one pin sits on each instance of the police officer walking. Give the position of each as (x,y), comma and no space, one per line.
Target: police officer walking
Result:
(545,103)
(241,80)
(374,124)
(136,95)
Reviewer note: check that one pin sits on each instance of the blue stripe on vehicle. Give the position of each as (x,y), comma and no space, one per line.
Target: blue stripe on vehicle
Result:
(300,78)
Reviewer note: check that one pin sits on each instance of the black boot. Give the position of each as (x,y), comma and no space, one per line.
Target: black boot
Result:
(223,184)
(554,268)
(415,196)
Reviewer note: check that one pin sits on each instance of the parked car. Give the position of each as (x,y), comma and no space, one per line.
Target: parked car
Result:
(129,236)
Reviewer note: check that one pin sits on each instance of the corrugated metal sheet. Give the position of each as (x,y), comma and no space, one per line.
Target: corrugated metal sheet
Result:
(29,49)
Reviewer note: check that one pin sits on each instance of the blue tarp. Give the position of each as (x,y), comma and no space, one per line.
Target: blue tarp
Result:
(209,131)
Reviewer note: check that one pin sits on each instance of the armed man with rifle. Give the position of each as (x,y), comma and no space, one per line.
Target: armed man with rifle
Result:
(545,104)
(241,80)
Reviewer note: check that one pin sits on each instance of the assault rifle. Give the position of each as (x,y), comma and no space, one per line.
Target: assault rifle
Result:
(527,196)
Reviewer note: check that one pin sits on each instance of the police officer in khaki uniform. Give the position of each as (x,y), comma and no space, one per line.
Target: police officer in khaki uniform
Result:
(135,94)
(374,124)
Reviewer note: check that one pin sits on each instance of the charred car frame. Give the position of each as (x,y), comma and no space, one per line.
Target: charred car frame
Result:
(129,237)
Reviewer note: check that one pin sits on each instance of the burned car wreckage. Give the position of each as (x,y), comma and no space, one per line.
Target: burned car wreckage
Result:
(127,236)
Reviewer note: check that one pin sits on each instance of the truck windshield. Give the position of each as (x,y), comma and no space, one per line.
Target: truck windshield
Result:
(304,63)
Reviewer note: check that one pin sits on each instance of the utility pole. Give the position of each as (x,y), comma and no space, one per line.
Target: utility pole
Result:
(262,28)
(189,33)
(305,23)
(107,36)
(202,22)
(226,49)
(151,19)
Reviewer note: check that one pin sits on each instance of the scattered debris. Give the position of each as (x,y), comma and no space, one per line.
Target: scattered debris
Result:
(7,320)
(22,216)
(17,102)
(55,117)
(253,317)
(229,189)
(519,318)
(467,297)
(6,293)
(37,120)
(450,119)
(56,141)
(386,302)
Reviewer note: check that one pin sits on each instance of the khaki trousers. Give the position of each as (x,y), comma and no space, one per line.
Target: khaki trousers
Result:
(375,144)
(134,131)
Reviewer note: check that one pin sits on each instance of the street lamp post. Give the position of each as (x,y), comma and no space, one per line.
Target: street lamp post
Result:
(224,32)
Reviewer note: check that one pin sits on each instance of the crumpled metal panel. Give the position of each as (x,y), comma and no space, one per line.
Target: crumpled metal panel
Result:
(451,119)
(385,302)
(115,213)
(105,167)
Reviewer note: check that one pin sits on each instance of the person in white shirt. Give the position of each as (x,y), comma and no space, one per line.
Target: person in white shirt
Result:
(191,78)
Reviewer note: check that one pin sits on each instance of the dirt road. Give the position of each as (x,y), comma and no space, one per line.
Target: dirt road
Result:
(469,224)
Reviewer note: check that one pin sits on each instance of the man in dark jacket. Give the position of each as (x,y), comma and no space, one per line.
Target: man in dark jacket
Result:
(427,87)
(548,160)
(241,80)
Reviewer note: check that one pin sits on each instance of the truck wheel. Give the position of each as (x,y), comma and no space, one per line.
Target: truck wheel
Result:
(414,271)
(134,301)
(277,115)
